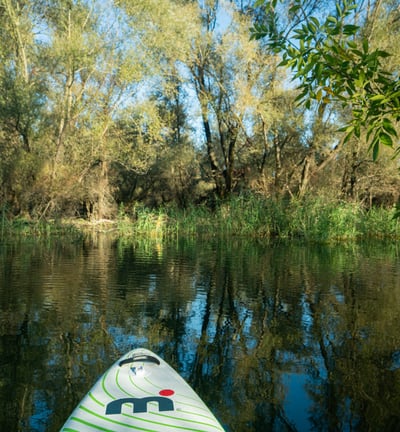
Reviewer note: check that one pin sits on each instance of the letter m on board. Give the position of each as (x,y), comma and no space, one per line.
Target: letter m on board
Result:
(139,404)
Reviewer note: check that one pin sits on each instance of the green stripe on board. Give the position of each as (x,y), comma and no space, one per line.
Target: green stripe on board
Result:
(103,384)
(199,406)
(94,426)
(183,395)
(155,423)
(199,403)
(194,422)
(108,420)
(120,387)
(166,425)
(206,417)
(69,430)
(142,390)
(91,395)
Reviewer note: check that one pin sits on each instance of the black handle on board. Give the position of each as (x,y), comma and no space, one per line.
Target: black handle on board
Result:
(140,358)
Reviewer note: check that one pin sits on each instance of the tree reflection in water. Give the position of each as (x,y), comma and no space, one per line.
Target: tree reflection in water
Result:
(273,337)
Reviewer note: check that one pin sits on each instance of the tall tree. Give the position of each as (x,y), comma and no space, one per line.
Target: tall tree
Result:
(93,73)
(230,74)
(22,97)
(165,30)
(21,88)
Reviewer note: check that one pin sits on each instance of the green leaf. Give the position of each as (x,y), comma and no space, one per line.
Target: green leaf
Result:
(331,19)
(349,134)
(357,130)
(395,95)
(339,11)
(383,138)
(375,149)
(312,28)
(294,8)
(258,31)
(350,29)
(383,54)
(357,52)
(352,44)
(387,125)
(371,129)
(365,45)
(301,96)
(377,97)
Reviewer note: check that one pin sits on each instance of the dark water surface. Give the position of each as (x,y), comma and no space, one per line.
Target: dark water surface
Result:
(273,337)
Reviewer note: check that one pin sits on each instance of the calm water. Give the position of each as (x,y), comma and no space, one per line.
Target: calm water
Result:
(273,337)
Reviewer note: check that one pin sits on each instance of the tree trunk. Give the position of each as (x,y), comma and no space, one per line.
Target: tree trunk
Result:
(305,176)
(202,96)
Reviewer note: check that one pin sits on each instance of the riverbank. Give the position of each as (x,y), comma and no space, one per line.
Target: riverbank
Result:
(313,219)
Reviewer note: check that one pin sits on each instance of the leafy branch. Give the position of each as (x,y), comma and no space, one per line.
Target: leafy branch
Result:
(333,62)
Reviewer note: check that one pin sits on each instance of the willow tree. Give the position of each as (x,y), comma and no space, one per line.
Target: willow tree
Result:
(164,30)
(234,81)
(22,94)
(91,74)
(205,49)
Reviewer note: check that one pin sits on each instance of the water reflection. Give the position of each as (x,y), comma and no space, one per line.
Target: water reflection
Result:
(273,337)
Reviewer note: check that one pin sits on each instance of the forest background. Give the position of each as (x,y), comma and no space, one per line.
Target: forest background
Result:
(180,116)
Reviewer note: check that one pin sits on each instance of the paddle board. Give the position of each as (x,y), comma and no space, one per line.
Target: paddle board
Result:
(141,392)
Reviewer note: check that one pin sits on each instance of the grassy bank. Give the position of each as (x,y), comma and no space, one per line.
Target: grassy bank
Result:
(32,228)
(312,219)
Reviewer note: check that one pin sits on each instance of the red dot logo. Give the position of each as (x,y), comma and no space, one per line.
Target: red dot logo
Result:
(166,392)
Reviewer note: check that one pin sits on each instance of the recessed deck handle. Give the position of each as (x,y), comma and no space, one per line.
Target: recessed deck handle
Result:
(140,358)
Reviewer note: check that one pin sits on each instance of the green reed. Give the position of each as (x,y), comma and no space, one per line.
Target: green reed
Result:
(311,219)
(23,227)
(317,219)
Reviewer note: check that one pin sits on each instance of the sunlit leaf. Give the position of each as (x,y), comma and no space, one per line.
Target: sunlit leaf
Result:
(377,97)
(312,27)
(385,139)
(388,127)
(349,131)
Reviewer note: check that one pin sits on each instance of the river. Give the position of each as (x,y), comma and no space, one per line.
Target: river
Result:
(272,336)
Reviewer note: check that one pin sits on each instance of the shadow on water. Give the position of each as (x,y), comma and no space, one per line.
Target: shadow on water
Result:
(274,337)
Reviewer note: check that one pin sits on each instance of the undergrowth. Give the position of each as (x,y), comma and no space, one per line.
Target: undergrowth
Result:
(311,219)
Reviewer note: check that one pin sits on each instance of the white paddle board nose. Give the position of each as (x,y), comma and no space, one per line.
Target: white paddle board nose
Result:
(140,391)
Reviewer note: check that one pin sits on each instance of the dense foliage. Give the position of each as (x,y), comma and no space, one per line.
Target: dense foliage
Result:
(106,105)
(334,62)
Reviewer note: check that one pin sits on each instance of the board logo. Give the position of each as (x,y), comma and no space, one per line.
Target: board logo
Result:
(139,405)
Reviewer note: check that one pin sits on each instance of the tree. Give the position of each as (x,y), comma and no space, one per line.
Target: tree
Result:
(22,98)
(93,73)
(230,75)
(157,126)
(333,61)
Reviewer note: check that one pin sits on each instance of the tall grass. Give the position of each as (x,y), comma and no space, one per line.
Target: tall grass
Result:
(145,222)
(22,227)
(310,219)
(316,219)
